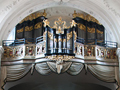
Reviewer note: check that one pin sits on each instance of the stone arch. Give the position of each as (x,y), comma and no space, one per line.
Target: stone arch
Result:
(18,13)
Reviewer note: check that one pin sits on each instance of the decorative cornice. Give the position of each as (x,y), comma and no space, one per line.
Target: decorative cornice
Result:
(85,17)
(34,16)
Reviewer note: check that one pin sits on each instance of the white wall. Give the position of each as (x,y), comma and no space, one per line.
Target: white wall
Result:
(11,35)
(106,11)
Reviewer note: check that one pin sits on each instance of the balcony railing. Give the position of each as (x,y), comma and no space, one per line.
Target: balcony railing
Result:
(13,42)
(19,50)
(79,40)
(97,42)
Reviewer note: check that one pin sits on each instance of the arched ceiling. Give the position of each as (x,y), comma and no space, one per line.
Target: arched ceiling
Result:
(61,11)
(53,13)
(106,11)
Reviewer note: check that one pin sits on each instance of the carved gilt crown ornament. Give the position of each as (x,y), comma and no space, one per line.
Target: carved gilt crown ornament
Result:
(61,40)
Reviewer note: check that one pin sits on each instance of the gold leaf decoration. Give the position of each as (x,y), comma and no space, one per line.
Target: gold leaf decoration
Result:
(75,35)
(69,35)
(38,25)
(27,28)
(58,23)
(50,35)
(81,26)
(85,17)
(73,23)
(20,30)
(34,16)
(46,23)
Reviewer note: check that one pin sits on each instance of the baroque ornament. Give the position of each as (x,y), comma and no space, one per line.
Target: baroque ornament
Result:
(58,40)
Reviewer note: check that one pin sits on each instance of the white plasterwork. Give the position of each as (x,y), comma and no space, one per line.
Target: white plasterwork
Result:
(16,13)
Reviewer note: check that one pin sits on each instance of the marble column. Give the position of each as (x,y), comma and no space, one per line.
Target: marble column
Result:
(1,51)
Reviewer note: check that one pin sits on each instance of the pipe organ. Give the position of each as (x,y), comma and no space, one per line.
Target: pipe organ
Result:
(81,42)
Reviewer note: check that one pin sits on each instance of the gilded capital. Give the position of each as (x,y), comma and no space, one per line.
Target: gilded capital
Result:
(73,23)
(46,23)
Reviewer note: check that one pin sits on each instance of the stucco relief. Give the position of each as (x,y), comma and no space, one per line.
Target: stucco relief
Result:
(9,6)
(80,4)
(111,7)
(36,6)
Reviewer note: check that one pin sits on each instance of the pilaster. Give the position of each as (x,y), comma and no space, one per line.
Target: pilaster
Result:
(1,51)
(118,70)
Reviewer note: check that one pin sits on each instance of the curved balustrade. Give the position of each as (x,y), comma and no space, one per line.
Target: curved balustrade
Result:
(95,52)
(91,54)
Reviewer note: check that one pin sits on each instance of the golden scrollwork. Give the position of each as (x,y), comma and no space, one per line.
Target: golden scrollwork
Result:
(20,30)
(38,25)
(31,28)
(85,17)
(91,30)
(73,23)
(99,31)
(60,57)
(58,23)
(27,28)
(88,18)
(55,25)
(91,18)
(21,21)
(69,35)
(50,35)
(74,14)
(81,26)
(44,36)
(44,14)
(78,15)
(64,26)
(75,35)
(30,17)
(34,16)
(59,31)
(81,15)
(39,14)
(46,23)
